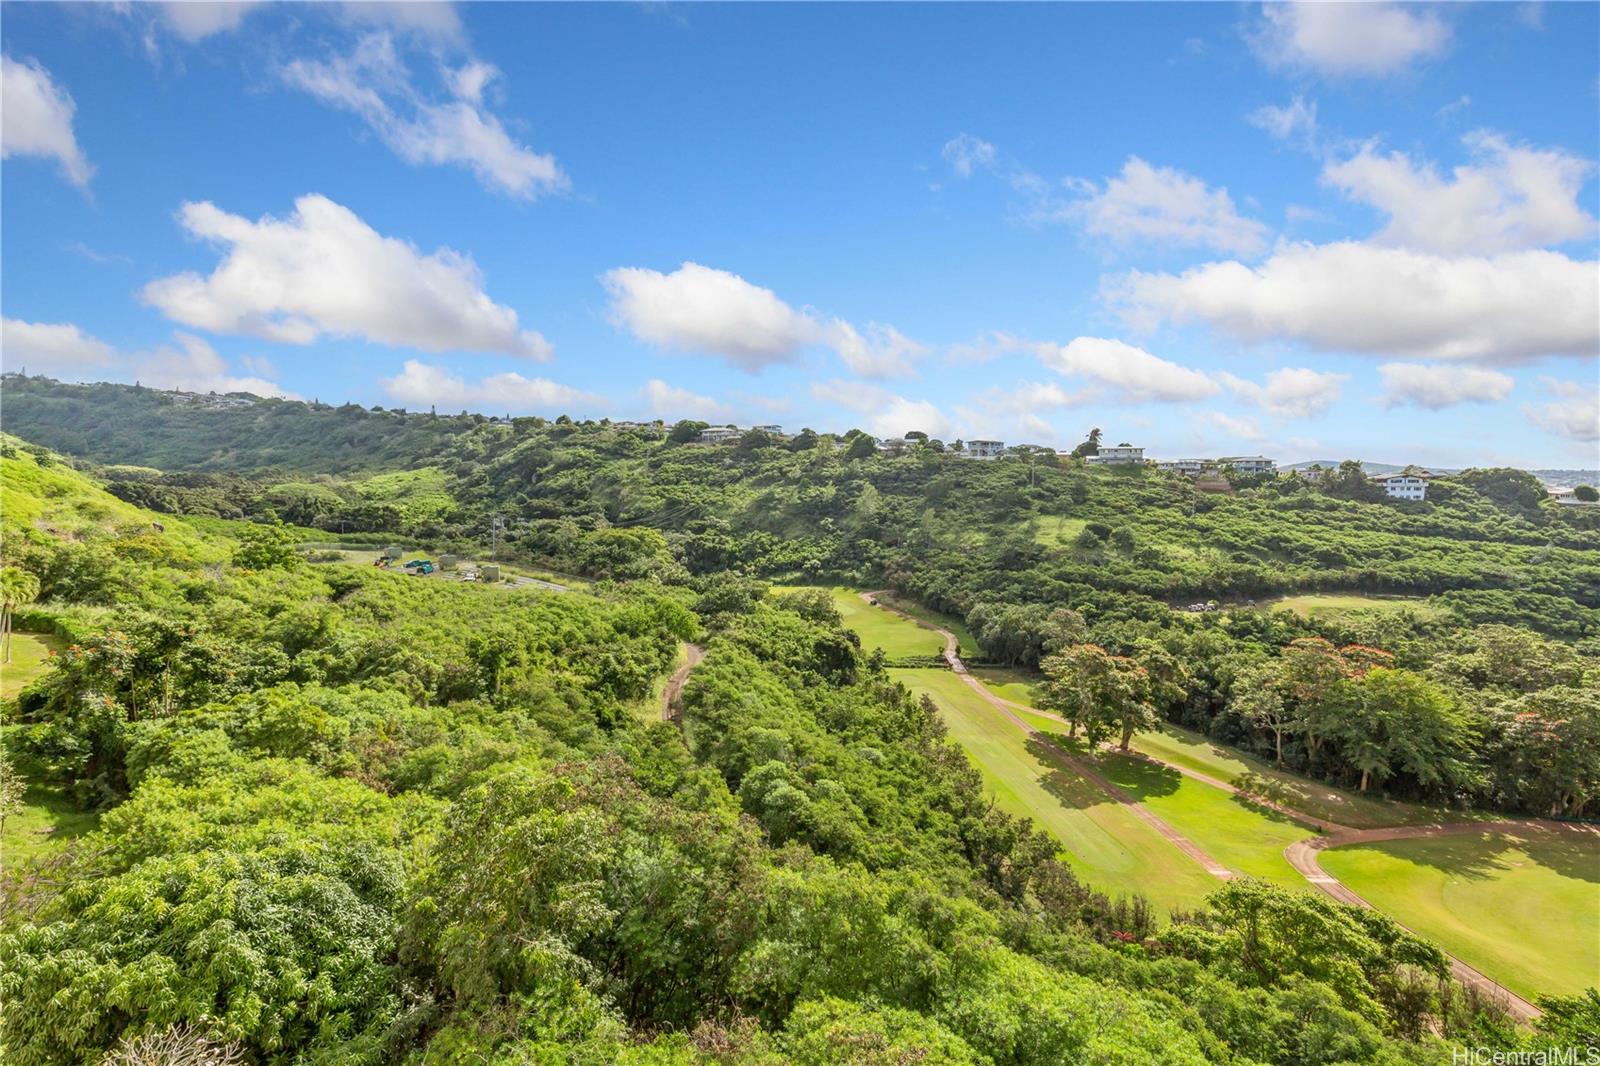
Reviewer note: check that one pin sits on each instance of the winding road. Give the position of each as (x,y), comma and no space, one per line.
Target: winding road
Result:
(1302,854)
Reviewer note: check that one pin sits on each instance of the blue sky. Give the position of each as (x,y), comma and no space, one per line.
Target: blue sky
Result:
(1313,231)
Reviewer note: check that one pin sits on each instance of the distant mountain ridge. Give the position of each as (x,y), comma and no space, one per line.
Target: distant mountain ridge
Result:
(1556,479)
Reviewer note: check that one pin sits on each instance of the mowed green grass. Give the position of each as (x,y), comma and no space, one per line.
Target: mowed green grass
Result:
(1105,843)
(1243,836)
(966,643)
(30,655)
(44,823)
(877,628)
(1521,906)
(1333,607)
(46,820)
(1182,747)
(1009,682)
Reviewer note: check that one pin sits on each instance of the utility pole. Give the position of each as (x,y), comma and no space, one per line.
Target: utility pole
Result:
(496,524)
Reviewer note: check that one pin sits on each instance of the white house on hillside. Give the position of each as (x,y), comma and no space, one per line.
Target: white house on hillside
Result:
(1186,467)
(719,435)
(984,449)
(1249,464)
(1121,453)
(1406,485)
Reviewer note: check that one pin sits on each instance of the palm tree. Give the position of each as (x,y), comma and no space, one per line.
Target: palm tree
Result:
(17,587)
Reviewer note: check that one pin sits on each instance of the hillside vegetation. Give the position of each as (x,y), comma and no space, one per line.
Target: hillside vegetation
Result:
(343,814)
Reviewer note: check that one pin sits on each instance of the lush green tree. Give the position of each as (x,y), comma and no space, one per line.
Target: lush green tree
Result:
(266,547)
(17,588)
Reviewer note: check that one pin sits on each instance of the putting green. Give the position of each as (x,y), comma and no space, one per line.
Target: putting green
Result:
(1522,906)
(1105,843)
(30,656)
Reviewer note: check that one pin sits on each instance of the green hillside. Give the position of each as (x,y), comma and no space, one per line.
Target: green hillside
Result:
(446,821)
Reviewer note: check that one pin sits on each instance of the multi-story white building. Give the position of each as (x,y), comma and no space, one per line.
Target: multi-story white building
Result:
(1121,453)
(1186,467)
(776,431)
(1249,464)
(984,449)
(719,435)
(1406,485)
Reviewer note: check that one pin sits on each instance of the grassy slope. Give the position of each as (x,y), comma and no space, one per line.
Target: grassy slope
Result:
(46,820)
(1055,531)
(30,654)
(1244,837)
(1107,846)
(1522,907)
(1335,607)
(1185,748)
(57,500)
(966,642)
(880,629)
(1008,682)
(421,494)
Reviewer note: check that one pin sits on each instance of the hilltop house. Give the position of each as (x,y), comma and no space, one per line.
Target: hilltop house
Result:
(1408,484)
(1121,453)
(1186,467)
(719,435)
(984,449)
(1248,464)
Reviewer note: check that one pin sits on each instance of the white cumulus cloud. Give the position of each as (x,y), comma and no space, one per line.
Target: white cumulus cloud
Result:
(1511,197)
(57,350)
(423,384)
(1131,373)
(374,82)
(194,366)
(1290,392)
(1573,414)
(885,414)
(1361,298)
(195,20)
(707,310)
(1161,205)
(670,401)
(701,309)
(1436,386)
(1232,426)
(36,119)
(879,351)
(325,271)
(1349,39)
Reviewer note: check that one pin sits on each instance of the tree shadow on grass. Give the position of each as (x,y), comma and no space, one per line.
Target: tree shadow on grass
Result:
(1140,778)
(1069,788)
(1323,801)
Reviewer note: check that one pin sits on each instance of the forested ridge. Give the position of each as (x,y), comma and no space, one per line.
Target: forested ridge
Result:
(350,816)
